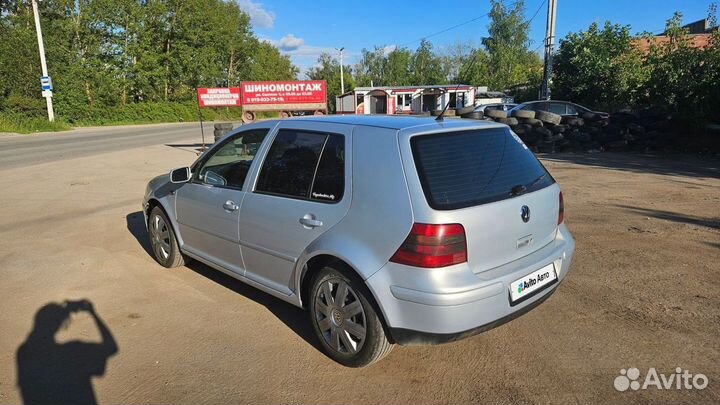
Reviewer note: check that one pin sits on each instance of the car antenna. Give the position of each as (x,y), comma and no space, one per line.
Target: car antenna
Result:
(440,116)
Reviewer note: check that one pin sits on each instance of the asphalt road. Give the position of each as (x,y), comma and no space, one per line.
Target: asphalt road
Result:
(26,150)
(642,293)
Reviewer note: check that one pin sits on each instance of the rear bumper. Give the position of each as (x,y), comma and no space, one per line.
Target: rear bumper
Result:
(430,306)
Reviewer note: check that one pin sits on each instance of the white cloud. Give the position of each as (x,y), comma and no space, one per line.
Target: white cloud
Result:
(305,56)
(290,43)
(259,16)
(387,49)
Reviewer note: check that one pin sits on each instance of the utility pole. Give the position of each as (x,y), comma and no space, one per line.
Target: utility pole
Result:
(342,76)
(45,80)
(549,49)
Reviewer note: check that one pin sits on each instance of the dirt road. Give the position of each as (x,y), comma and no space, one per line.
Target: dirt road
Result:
(642,292)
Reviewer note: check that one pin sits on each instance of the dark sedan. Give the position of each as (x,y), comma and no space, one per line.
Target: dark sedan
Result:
(564,108)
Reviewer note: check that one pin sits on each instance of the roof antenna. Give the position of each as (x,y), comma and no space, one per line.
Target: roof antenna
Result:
(440,116)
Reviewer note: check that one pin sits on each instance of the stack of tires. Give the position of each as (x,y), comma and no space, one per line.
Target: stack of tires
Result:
(540,130)
(547,132)
(221,129)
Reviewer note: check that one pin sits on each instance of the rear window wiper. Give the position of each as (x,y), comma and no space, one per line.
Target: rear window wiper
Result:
(521,189)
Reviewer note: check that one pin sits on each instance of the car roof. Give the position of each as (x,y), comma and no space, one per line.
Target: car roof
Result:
(396,122)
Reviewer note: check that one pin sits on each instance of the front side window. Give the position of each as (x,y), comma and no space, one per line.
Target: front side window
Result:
(305,165)
(229,165)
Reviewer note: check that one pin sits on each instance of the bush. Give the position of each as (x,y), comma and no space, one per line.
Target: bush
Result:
(21,124)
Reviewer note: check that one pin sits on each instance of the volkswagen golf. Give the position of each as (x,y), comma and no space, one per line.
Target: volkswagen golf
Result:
(387,230)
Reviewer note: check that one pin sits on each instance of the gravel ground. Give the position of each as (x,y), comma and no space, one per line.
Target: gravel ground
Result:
(642,292)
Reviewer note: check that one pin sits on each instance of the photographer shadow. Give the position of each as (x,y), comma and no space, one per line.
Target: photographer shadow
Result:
(49,372)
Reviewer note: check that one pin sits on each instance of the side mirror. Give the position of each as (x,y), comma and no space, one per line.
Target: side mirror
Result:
(181,175)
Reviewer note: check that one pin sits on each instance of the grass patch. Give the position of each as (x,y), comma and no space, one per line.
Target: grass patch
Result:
(131,114)
(26,125)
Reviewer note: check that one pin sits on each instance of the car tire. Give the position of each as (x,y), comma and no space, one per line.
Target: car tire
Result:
(331,321)
(496,114)
(163,242)
(464,110)
(548,117)
(524,114)
(475,115)
(507,121)
(531,121)
(248,117)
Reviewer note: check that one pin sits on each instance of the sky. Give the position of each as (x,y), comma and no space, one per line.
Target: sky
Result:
(304,29)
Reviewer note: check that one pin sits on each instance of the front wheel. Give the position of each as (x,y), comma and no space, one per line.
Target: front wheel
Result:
(346,323)
(162,239)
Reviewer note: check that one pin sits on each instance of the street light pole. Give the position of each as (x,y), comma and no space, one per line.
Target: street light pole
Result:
(342,76)
(549,49)
(41,47)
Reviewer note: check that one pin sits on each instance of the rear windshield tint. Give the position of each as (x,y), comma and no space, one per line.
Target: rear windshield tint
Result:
(462,169)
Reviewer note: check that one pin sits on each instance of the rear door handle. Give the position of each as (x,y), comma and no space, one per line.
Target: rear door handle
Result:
(230,206)
(309,221)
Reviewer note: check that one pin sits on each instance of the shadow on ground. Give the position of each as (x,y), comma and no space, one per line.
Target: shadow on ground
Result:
(713,223)
(50,372)
(295,318)
(681,165)
(196,148)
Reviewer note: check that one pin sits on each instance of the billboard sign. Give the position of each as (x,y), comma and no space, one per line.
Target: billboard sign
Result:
(219,97)
(284,92)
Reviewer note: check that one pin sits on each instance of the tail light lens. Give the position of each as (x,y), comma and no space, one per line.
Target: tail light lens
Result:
(432,246)
(561,211)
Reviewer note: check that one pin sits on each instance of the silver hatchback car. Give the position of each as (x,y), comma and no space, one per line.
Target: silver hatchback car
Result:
(388,230)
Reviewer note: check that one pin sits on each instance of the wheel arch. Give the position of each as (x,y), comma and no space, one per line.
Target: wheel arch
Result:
(153,202)
(318,262)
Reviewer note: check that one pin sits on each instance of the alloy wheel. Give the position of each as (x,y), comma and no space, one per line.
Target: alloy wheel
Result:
(160,237)
(340,316)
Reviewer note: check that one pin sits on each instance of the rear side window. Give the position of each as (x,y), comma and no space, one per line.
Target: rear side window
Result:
(305,165)
(463,169)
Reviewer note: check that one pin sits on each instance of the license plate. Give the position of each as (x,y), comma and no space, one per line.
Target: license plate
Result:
(534,281)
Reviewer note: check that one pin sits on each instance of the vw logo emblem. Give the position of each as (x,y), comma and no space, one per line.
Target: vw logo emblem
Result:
(525,213)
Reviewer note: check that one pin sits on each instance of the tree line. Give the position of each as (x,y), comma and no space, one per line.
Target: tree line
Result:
(109,56)
(142,59)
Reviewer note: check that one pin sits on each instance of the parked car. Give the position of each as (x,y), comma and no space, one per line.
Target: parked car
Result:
(564,108)
(388,230)
(496,106)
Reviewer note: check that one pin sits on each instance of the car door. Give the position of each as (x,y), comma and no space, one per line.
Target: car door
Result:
(301,191)
(208,207)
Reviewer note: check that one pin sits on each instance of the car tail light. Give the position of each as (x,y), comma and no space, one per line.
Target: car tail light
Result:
(561,211)
(433,246)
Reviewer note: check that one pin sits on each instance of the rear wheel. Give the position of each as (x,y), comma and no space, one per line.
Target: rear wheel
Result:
(162,239)
(346,323)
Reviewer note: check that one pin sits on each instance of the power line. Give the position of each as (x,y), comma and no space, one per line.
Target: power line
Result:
(536,12)
(451,28)
(468,22)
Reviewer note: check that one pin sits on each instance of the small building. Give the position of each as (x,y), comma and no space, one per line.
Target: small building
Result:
(404,99)
(699,35)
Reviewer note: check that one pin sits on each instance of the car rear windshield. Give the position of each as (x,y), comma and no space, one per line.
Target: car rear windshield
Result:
(463,169)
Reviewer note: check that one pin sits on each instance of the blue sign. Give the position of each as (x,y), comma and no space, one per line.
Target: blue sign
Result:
(46,83)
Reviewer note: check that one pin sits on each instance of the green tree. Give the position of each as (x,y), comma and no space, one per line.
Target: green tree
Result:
(510,61)
(426,66)
(397,68)
(677,75)
(328,68)
(599,67)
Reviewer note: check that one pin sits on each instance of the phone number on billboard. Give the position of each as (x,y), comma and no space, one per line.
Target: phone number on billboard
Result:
(265,99)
